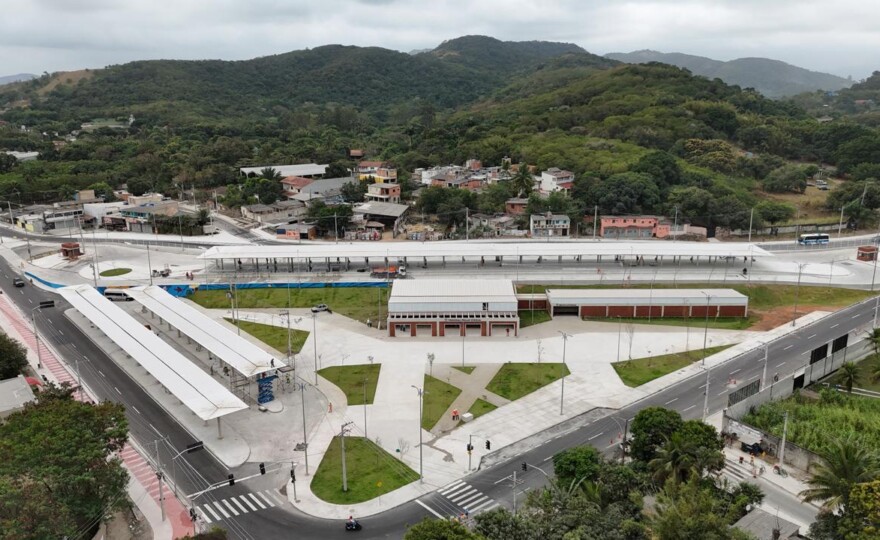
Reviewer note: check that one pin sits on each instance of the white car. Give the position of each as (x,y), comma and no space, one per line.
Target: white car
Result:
(320,307)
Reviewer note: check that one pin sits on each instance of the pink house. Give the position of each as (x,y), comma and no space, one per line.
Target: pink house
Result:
(633,227)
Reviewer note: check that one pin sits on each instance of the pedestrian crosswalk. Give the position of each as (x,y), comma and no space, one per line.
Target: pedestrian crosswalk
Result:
(230,507)
(467,499)
(736,473)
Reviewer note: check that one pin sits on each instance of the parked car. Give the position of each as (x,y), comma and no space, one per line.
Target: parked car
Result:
(320,307)
(18,282)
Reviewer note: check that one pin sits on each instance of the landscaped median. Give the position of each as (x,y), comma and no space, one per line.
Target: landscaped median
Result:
(357,381)
(515,380)
(359,303)
(371,472)
(637,372)
(274,336)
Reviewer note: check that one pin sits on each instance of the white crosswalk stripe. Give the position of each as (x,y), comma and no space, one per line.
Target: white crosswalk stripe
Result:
(463,496)
(240,504)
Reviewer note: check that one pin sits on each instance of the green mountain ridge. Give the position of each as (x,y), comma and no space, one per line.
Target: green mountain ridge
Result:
(773,78)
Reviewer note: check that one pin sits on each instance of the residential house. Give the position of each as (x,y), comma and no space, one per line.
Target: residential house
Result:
(549,224)
(308,170)
(463,182)
(473,164)
(146,198)
(516,206)
(293,185)
(766,526)
(389,192)
(15,393)
(554,179)
(356,153)
(277,212)
(389,214)
(497,225)
(328,190)
(141,218)
(633,227)
(379,171)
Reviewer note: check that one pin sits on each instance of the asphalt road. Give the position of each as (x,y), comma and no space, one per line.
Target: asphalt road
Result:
(195,472)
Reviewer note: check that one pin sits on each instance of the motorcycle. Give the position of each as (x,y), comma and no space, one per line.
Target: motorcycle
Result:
(349,526)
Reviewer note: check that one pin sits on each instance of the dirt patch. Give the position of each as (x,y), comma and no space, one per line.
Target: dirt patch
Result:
(769,319)
(65,77)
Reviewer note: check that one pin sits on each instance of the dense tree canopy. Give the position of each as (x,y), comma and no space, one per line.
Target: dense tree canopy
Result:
(13,357)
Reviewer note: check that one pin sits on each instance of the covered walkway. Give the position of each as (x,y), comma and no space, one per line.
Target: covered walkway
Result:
(197,390)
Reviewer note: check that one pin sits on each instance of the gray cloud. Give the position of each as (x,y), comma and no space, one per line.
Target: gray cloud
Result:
(52,35)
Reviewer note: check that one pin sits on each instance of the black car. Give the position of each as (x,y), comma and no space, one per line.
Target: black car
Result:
(18,282)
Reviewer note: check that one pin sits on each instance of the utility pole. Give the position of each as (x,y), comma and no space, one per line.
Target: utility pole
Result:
(315,343)
(335,228)
(342,442)
(751,218)
(514,492)
(467,224)
(619,328)
(150,264)
(784,435)
(159,476)
(595,219)
(840,224)
(764,374)
(706,329)
(797,290)
(421,398)
(675,225)
(463,332)
(706,395)
(876,307)
(37,337)
(562,388)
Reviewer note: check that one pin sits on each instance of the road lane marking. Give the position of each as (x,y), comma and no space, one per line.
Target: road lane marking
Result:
(429,509)
(856,315)
(723,392)
(135,409)
(101,373)
(117,390)
(811,337)
(671,400)
(215,514)
(222,511)
(256,500)
(689,408)
(835,325)
(736,371)
(594,436)
(238,504)
(780,364)
(546,459)
(204,516)
(50,321)
(449,487)
(74,345)
(61,332)
(787,348)
(247,502)
(231,509)
(156,430)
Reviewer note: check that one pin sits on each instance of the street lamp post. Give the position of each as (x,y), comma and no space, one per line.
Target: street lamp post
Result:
(706,395)
(764,374)
(421,398)
(315,343)
(706,328)
(43,305)
(562,388)
(797,290)
(302,393)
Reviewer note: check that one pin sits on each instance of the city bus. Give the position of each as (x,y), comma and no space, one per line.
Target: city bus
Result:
(815,238)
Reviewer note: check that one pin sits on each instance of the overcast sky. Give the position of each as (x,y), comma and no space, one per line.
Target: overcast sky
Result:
(835,36)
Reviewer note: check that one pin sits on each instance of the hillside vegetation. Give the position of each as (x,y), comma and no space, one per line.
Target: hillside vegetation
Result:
(772,78)
(649,138)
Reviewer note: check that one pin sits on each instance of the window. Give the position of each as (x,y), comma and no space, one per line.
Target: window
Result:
(485,306)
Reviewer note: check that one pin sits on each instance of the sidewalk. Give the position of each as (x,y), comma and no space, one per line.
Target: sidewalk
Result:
(142,480)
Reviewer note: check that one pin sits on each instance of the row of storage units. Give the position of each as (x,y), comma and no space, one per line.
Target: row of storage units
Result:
(445,328)
(644,303)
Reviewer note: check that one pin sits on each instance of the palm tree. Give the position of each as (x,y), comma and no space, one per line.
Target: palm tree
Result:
(675,459)
(849,373)
(844,464)
(874,337)
(270,173)
(523,183)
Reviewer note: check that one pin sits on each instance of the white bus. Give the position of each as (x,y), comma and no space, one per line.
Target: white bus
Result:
(815,238)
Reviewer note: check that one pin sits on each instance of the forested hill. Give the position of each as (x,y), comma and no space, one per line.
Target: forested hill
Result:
(370,79)
(773,78)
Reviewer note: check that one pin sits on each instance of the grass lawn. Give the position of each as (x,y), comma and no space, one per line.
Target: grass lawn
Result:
(866,367)
(465,369)
(115,272)
(641,370)
(514,381)
(274,336)
(481,407)
(359,303)
(439,395)
(723,323)
(350,379)
(528,317)
(371,472)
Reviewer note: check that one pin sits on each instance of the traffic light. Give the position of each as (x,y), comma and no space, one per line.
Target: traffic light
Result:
(231,478)
(488,445)
(525,466)
(292,475)
(262,469)
(470,447)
